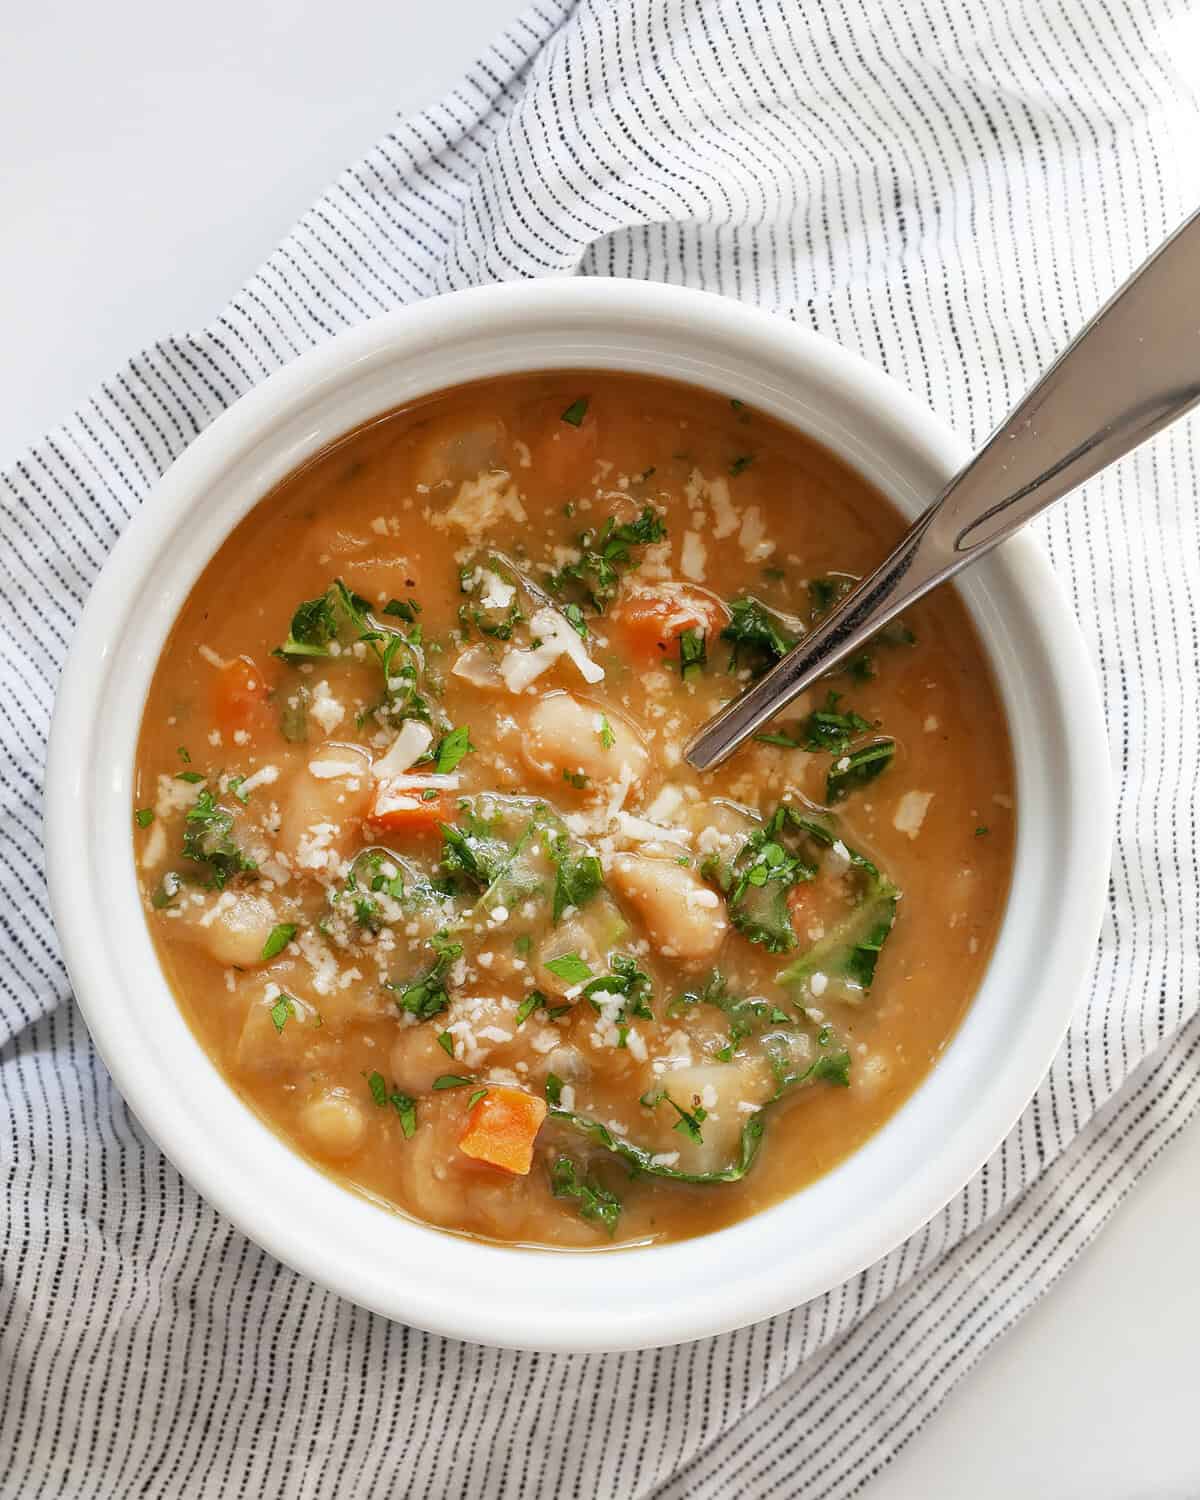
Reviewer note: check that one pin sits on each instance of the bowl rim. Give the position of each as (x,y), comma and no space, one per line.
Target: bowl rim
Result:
(77,787)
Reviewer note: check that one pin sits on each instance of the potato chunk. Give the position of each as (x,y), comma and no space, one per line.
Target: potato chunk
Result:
(568,736)
(684,917)
(321,814)
(719,1089)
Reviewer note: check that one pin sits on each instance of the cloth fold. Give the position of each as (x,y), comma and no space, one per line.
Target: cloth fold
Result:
(948,189)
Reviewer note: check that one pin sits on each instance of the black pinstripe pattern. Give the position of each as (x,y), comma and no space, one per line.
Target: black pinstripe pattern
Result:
(950,189)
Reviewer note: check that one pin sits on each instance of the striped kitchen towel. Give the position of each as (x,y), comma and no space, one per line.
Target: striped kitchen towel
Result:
(947,187)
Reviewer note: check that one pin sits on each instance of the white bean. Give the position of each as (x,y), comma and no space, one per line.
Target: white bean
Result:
(568,735)
(417,1059)
(677,907)
(241,924)
(333,1123)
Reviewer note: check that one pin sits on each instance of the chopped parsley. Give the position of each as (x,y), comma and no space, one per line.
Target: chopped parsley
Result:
(446,1042)
(577,877)
(452,1081)
(184,756)
(605,554)
(283,1008)
(858,768)
(607,738)
(535,1000)
(144,817)
(831,730)
(554,1088)
(404,1105)
(576,412)
(757,635)
(426,995)
(234,785)
(474,1098)
(406,1109)
(575,778)
(190,776)
(574,618)
(208,840)
(166,890)
(757,879)
(741,463)
(403,609)
(452,749)
(693,654)
(626,981)
(280,937)
(594,1201)
(981,830)
(745,1015)
(824,593)
(848,953)
(570,968)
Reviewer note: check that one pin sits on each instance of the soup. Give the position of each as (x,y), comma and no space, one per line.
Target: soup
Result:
(432,881)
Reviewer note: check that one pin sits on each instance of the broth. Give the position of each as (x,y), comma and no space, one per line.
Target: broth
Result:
(433,884)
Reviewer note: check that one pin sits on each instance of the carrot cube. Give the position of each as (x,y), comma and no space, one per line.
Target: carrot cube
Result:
(501,1129)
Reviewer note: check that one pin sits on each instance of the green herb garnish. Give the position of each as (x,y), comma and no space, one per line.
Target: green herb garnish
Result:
(144,817)
(570,968)
(535,1000)
(284,1007)
(452,1081)
(577,877)
(280,937)
(594,1202)
(693,654)
(426,995)
(605,555)
(576,412)
(856,769)
(208,839)
(757,635)
(453,747)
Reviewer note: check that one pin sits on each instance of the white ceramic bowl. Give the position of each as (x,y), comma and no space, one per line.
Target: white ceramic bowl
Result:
(633,1298)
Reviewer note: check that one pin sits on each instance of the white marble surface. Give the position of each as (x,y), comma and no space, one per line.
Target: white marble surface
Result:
(152,156)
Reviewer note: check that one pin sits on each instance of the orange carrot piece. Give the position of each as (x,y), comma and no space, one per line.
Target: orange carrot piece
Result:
(239,697)
(501,1129)
(652,623)
(408,809)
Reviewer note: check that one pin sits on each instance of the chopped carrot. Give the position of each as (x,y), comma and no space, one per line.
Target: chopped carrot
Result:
(239,697)
(402,806)
(501,1128)
(652,622)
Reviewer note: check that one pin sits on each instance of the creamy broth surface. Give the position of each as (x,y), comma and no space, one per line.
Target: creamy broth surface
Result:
(429,876)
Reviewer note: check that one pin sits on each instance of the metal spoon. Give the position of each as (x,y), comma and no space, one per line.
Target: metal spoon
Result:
(1132,370)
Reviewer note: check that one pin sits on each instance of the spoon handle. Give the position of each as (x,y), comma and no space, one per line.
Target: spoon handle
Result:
(1132,370)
